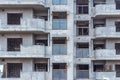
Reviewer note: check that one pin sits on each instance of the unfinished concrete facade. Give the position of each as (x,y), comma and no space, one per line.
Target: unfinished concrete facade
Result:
(59,40)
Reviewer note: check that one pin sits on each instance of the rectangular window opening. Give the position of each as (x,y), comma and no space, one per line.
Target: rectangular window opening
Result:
(82,6)
(59,46)
(99,23)
(41,67)
(59,66)
(59,71)
(82,71)
(98,68)
(13,44)
(14,18)
(96,2)
(82,50)
(59,21)
(117,24)
(117,68)
(117,47)
(82,28)
(41,39)
(13,70)
(117,4)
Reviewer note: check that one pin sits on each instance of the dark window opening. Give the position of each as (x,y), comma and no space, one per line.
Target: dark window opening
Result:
(59,66)
(41,42)
(83,31)
(82,28)
(41,39)
(82,67)
(117,4)
(117,24)
(59,15)
(117,68)
(42,67)
(96,2)
(117,47)
(14,69)
(61,40)
(83,45)
(82,6)
(99,46)
(13,44)
(41,14)
(98,68)
(82,2)
(14,18)
(99,23)
(101,66)
(82,10)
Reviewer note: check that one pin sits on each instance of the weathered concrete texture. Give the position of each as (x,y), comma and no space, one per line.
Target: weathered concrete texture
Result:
(30,25)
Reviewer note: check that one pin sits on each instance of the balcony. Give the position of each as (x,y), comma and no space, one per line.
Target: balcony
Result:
(29,76)
(105,75)
(106,10)
(106,54)
(29,25)
(106,32)
(34,51)
(22,3)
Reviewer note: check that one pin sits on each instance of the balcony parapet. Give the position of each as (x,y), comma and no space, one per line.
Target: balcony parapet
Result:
(106,10)
(106,32)
(22,2)
(30,25)
(34,51)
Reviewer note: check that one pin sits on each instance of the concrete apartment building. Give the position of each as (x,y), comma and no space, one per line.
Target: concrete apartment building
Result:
(59,39)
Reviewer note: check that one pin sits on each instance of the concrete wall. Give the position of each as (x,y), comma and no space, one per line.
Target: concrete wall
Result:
(67,33)
(70,33)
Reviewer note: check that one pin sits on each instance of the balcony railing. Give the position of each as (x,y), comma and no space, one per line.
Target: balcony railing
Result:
(59,49)
(80,74)
(33,75)
(106,54)
(106,10)
(25,51)
(25,25)
(59,74)
(22,2)
(27,76)
(34,49)
(105,75)
(82,53)
(106,32)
